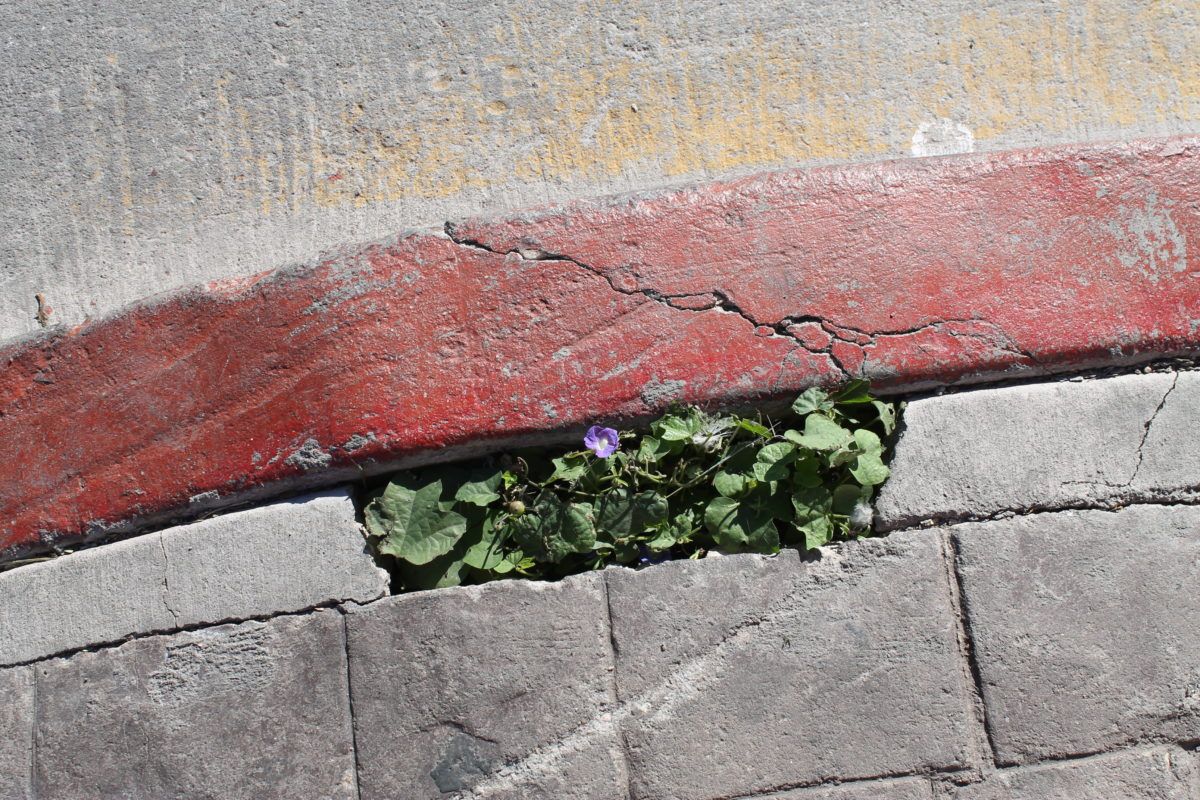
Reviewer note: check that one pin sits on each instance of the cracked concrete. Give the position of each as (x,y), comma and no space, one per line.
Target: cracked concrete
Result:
(429,345)
(851,360)
(278,558)
(1012,450)
(853,673)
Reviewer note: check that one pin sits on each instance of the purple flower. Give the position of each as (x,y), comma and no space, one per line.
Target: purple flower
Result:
(601,441)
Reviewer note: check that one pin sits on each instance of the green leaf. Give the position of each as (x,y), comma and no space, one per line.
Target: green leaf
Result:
(887,415)
(774,461)
(570,467)
(821,433)
(818,531)
(575,526)
(844,498)
(683,525)
(664,538)
(649,508)
(812,503)
(720,517)
(413,526)
(730,484)
(487,553)
(648,449)
(806,471)
(811,400)
(621,515)
(750,426)
(867,441)
(614,513)
(737,526)
(869,470)
(538,538)
(654,450)
(440,573)
(510,562)
(856,391)
(673,427)
(480,492)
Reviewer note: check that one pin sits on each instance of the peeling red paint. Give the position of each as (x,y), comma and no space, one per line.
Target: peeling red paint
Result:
(911,273)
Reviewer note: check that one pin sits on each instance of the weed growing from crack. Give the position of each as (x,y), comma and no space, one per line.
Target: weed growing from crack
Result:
(693,484)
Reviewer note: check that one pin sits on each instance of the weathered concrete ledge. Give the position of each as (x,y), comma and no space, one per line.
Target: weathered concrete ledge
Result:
(278,558)
(1024,658)
(911,273)
(1086,444)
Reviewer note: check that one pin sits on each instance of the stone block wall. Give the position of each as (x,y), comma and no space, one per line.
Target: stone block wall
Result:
(1038,644)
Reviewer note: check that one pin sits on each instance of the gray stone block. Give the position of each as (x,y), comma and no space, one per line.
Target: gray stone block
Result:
(1157,774)
(1170,459)
(278,558)
(16,733)
(1044,446)
(1084,628)
(283,557)
(86,598)
(498,691)
(743,674)
(897,789)
(257,710)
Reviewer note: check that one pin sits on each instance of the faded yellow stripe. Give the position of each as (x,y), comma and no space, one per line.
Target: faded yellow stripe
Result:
(1078,67)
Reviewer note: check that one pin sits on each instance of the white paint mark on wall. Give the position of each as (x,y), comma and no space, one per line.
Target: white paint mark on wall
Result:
(942,137)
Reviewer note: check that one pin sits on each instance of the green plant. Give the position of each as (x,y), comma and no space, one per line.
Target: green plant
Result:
(693,483)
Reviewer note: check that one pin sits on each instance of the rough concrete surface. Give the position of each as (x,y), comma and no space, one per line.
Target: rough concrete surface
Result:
(257,710)
(283,557)
(897,789)
(1045,446)
(500,691)
(16,733)
(1084,628)
(745,675)
(90,597)
(172,143)
(424,346)
(1156,774)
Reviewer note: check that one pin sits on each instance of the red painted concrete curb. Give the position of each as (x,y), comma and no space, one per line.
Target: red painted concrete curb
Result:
(911,273)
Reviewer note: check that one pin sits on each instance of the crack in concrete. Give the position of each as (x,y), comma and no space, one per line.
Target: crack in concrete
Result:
(1140,453)
(1146,431)
(109,644)
(722,302)
(166,584)
(455,725)
(1167,499)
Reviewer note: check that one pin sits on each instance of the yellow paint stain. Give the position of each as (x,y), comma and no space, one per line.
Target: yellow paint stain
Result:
(578,111)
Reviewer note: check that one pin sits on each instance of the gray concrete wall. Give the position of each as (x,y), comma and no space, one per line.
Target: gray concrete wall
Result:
(147,146)
(1038,651)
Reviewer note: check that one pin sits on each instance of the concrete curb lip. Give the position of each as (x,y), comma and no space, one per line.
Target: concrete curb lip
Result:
(921,273)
